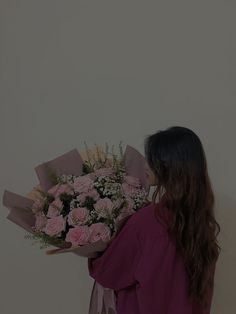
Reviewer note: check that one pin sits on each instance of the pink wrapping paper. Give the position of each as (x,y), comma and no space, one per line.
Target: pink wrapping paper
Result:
(68,163)
(134,165)
(20,210)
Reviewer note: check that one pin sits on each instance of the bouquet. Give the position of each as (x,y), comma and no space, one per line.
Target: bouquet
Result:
(81,202)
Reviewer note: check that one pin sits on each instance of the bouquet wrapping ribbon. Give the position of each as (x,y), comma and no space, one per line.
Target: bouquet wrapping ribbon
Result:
(103,300)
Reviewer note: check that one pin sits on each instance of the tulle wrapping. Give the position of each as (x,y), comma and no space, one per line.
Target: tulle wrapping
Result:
(103,300)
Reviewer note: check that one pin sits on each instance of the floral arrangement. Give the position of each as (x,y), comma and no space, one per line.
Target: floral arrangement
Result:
(81,203)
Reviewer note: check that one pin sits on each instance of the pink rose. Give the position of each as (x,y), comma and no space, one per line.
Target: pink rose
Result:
(55,208)
(78,216)
(132,181)
(130,203)
(91,175)
(104,207)
(127,210)
(117,203)
(92,193)
(40,221)
(60,188)
(55,225)
(83,184)
(78,235)
(128,189)
(99,231)
(104,172)
(37,206)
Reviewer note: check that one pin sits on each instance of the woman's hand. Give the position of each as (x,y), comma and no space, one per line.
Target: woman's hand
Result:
(99,253)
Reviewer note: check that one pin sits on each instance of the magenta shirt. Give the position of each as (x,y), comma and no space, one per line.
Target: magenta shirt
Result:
(144,267)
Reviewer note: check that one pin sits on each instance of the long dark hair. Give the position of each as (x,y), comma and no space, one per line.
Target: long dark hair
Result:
(177,158)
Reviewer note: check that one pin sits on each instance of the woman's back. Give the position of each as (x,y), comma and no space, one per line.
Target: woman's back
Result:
(163,280)
(145,268)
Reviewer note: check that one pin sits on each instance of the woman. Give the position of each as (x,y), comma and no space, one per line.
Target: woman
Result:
(163,259)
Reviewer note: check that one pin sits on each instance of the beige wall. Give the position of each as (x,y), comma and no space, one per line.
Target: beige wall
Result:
(108,71)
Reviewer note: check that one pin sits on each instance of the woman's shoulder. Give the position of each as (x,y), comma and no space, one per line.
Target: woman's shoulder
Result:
(152,219)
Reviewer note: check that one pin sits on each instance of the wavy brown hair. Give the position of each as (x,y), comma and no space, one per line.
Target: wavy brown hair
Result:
(177,158)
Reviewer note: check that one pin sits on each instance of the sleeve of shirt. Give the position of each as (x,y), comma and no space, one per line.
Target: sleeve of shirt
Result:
(115,268)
